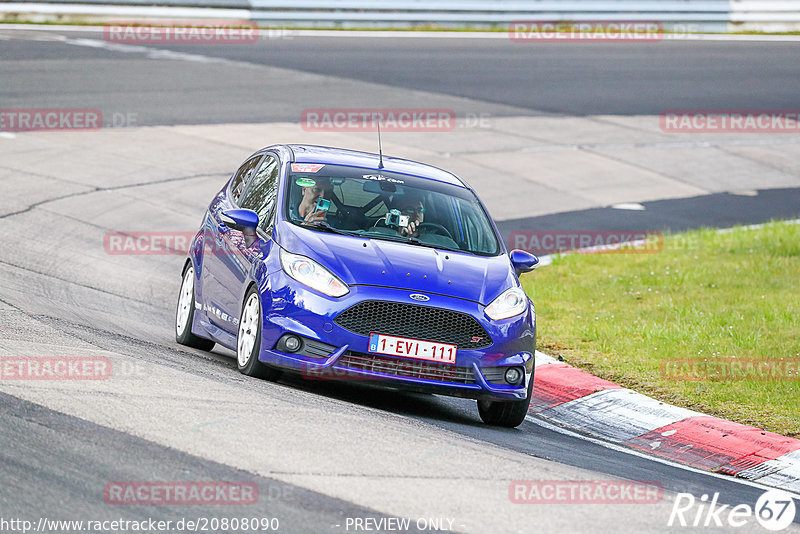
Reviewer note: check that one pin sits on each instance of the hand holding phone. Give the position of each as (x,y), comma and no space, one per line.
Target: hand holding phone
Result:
(323,205)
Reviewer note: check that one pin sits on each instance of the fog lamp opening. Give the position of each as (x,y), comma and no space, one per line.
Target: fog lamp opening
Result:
(290,343)
(514,375)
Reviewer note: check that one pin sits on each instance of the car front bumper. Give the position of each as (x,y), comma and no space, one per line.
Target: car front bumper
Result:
(341,354)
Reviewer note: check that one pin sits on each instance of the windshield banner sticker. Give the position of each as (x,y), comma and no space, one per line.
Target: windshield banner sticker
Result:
(307,167)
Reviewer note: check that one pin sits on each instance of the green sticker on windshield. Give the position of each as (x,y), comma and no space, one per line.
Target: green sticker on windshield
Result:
(305,182)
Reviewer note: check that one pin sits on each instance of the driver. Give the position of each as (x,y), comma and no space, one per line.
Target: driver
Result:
(410,205)
(314,190)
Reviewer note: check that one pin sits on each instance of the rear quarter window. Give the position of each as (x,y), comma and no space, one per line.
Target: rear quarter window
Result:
(242,178)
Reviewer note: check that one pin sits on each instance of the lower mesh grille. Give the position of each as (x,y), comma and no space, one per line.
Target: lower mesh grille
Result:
(415,322)
(406,368)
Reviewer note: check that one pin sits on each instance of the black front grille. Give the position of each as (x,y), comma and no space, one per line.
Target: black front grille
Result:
(405,368)
(414,321)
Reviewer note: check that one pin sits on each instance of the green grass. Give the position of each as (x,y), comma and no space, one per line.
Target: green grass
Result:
(705,296)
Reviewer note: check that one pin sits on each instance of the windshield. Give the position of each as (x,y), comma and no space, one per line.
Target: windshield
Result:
(391,206)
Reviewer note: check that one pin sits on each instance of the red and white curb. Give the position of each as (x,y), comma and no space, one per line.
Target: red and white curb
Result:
(590,405)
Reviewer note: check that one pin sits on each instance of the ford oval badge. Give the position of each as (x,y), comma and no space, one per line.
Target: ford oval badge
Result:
(418,297)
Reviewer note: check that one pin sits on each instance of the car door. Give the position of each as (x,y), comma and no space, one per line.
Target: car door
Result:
(216,265)
(259,195)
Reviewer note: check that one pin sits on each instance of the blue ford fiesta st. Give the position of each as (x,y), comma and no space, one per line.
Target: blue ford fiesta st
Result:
(345,265)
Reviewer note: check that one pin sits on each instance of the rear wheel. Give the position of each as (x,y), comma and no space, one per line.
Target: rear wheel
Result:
(509,414)
(184,315)
(248,342)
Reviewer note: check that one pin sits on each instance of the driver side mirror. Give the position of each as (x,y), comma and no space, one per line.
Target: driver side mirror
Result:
(523,261)
(245,221)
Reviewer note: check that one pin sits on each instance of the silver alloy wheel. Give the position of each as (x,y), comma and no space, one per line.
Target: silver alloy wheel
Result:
(248,329)
(185,301)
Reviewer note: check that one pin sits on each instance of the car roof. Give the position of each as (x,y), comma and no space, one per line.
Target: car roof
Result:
(342,156)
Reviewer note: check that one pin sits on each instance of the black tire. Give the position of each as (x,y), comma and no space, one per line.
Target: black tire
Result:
(246,354)
(508,414)
(183,323)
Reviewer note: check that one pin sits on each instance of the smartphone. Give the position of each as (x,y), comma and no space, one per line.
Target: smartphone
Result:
(323,205)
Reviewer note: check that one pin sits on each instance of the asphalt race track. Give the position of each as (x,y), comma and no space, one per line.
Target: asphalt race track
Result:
(322,454)
(496,75)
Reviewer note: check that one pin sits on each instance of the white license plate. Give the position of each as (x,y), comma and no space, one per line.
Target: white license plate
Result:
(413,348)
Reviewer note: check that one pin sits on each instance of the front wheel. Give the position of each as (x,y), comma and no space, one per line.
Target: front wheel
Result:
(509,414)
(184,315)
(248,342)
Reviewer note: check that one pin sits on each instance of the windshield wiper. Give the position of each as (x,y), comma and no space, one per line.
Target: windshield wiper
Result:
(408,239)
(322,225)
(416,241)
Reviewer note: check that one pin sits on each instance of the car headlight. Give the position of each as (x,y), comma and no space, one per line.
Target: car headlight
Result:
(511,302)
(310,273)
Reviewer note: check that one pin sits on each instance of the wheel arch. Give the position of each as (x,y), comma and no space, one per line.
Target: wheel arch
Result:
(186,265)
(250,285)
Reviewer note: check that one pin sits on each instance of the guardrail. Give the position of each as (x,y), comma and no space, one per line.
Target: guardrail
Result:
(708,14)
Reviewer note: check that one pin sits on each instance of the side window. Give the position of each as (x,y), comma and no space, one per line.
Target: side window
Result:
(262,192)
(242,177)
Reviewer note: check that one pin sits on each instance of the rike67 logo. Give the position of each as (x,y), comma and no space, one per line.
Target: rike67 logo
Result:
(774,510)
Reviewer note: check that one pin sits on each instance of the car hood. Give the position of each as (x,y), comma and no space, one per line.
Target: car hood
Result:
(401,265)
